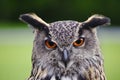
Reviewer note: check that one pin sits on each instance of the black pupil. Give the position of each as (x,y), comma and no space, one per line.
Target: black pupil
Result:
(51,43)
(78,41)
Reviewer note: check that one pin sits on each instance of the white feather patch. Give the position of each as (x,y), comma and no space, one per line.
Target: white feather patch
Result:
(65,78)
(74,78)
(53,78)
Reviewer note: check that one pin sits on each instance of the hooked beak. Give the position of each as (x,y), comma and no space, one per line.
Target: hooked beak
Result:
(65,56)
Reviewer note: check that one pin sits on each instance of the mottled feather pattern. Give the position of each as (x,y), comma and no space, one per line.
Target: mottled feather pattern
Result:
(65,61)
(63,31)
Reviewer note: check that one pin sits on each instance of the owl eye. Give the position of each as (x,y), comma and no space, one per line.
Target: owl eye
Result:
(50,44)
(78,42)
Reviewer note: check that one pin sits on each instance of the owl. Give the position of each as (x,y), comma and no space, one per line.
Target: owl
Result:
(66,50)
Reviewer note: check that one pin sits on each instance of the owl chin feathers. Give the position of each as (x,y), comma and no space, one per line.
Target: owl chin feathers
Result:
(66,50)
(86,69)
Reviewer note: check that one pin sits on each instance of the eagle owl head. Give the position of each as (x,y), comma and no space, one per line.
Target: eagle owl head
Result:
(66,50)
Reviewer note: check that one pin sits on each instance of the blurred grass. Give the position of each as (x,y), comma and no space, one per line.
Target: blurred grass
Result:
(16,48)
(112,60)
(15,53)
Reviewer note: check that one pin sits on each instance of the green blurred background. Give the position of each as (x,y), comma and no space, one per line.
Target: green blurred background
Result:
(16,38)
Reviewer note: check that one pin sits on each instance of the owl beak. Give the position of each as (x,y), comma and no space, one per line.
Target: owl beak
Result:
(65,56)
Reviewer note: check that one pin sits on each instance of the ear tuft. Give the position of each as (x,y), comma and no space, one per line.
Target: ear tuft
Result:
(33,20)
(96,20)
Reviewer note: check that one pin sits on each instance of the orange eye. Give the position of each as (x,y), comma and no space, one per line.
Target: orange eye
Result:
(50,44)
(78,42)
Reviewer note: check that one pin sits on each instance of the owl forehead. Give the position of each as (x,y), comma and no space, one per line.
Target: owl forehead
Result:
(63,32)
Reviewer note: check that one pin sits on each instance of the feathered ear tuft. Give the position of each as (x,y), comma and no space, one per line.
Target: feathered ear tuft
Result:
(33,20)
(96,20)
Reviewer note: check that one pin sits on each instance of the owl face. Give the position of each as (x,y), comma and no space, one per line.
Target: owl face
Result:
(66,50)
(69,39)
